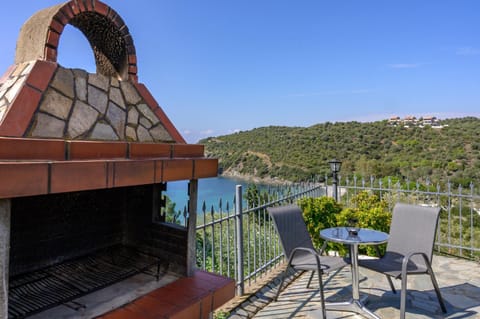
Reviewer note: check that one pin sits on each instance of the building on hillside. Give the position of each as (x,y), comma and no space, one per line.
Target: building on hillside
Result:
(410,121)
(394,120)
(430,120)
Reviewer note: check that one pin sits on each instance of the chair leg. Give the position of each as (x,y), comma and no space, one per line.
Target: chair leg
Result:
(437,289)
(403,297)
(322,296)
(390,282)
(284,274)
(310,279)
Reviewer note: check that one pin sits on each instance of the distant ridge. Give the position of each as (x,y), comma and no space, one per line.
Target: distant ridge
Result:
(376,149)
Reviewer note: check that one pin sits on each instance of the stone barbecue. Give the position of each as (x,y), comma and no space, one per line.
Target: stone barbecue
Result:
(84,160)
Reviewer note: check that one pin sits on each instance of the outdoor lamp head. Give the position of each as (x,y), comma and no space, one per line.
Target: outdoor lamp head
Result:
(335,165)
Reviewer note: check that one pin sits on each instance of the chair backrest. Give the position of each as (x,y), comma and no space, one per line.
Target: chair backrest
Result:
(291,228)
(413,229)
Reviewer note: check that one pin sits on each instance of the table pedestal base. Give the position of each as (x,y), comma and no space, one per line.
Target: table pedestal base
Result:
(356,306)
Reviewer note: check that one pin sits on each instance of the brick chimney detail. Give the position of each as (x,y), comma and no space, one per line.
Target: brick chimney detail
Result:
(66,130)
(41,99)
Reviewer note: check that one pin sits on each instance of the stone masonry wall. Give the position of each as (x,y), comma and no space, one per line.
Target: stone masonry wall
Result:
(39,98)
(80,105)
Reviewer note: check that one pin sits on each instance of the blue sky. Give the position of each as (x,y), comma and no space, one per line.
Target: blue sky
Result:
(220,66)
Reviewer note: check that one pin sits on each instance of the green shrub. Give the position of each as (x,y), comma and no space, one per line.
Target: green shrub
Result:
(221,314)
(319,213)
(366,209)
(369,212)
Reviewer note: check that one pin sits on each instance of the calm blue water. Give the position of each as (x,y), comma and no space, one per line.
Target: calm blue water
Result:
(210,190)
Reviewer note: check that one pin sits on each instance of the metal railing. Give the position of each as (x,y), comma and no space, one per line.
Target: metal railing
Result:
(242,243)
(250,253)
(458,231)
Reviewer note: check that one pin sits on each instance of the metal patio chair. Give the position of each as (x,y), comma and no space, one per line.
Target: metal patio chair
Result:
(409,248)
(298,247)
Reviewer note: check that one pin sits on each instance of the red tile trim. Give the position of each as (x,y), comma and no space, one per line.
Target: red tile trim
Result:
(77,176)
(149,308)
(23,179)
(81,6)
(31,149)
(224,294)
(128,41)
(192,311)
(188,150)
(205,168)
(132,69)
(133,78)
(67,11)
(69,176)
(122,313)
(185,298)
(60,16)
(101,8)
(147,96)
(117,19)
(75,8)
(89,5)
(110,174)
(51,54)
(208,280)
(175,170)
(181,292)
(158,171)
(18,118)
(149,150)
(131,49)
(124,31)
(52,38)
(132,59)
(96,150)
(129,173)
(41,74)
(57,26)
(207,306)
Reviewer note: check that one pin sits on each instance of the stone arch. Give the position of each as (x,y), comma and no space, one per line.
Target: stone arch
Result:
(109,37)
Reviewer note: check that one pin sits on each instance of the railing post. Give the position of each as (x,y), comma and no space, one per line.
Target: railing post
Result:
(238,216)
(192,226)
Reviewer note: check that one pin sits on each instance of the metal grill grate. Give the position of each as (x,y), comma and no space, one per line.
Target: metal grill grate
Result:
(35,292)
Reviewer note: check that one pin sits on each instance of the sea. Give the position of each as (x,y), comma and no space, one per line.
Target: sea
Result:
(210,192)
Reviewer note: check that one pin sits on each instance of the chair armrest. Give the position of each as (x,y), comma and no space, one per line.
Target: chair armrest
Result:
(409,256)
(309,250)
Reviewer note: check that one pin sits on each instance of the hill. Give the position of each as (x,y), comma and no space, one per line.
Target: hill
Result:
(367,149)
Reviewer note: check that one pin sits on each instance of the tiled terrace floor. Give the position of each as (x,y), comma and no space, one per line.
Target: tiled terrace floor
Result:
(459,281)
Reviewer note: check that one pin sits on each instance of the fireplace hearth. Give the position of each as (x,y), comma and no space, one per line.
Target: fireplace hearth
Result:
(63,283)
(68,245)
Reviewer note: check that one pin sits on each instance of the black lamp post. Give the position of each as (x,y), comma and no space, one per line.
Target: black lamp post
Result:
(335,166)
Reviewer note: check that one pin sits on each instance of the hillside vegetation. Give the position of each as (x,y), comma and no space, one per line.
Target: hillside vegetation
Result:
(367,149)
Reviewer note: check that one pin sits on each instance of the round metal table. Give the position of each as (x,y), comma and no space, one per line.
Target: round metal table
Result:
(363,236)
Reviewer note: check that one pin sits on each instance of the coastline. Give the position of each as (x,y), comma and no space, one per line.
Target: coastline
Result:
(255,179)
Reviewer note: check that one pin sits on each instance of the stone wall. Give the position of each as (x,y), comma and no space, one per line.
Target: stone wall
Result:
(55,102)
(80,105)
